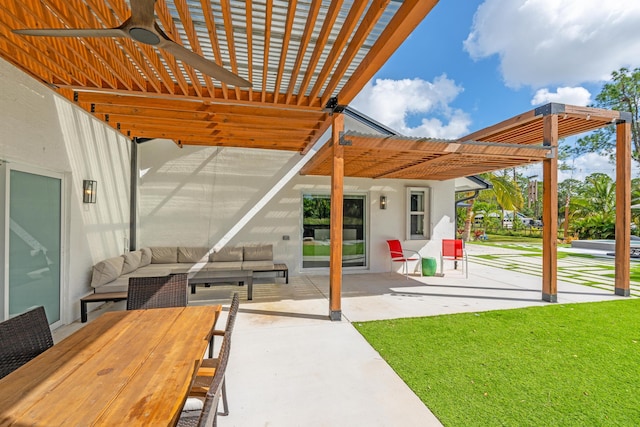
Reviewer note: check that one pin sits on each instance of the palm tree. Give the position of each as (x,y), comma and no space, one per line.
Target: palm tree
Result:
(506,192)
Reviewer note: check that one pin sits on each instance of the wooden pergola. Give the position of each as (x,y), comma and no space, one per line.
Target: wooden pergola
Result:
(524,139)
(297,54)
(304,59)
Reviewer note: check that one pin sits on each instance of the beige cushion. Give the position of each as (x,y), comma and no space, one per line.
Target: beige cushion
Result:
(192,254)
(224,265)
(121,284)
(106,271)
(164,255)
(131,261)
(227,254)
(265,265)
(258,253)
(146,257)
(152,270)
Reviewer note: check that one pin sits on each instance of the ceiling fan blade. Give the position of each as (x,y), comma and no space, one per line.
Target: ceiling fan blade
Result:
(202,64)
(142,14)
(73,32)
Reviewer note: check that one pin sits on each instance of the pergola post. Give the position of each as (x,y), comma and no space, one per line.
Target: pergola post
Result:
(623,207)
(335,234)
(550,211)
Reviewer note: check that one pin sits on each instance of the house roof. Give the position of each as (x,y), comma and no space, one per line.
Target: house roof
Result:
(514,142)
(298,54)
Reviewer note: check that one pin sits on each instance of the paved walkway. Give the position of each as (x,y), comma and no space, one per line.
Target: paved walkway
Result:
(290,366)
(582,267)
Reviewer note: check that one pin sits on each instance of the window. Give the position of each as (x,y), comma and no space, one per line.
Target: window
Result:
(418,213)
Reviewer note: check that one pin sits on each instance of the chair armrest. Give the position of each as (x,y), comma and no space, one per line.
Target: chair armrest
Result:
(412,252)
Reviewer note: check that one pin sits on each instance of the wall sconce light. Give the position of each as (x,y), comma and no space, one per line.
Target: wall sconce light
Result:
(89,191)
(383,202)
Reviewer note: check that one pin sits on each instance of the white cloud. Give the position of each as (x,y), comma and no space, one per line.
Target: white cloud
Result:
(546,42)
(392,102)
(565,95)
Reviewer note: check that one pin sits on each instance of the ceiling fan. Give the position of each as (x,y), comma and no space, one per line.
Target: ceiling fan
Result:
(141,27)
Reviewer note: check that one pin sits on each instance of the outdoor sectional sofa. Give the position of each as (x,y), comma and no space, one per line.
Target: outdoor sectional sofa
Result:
(110,278)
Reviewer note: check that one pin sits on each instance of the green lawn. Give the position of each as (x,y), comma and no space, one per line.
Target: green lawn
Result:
(323,250)
(557,365)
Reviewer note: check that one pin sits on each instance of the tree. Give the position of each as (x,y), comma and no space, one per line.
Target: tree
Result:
(594,208)
(621,94)
(505,192)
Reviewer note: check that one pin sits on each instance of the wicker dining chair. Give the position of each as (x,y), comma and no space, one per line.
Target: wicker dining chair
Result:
(210,366)
(22,338)
(157,292)
(200,413)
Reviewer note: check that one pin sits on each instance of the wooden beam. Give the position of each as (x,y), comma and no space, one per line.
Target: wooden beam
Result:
(266,40)
(337,195)
(550,213)
(288,26)
(304,43)
(623,208)
(193,104)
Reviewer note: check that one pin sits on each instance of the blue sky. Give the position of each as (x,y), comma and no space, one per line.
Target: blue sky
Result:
(473,63)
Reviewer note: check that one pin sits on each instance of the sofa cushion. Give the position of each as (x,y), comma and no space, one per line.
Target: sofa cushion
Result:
(106,271)
(227,254)
(164,255)
(258,253)
(146,257)
(153,270)
(192,255)
(257,265)
(121,284)
(224,265)
(131,261)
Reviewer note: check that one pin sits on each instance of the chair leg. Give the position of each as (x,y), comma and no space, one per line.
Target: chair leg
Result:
(466,267)
(225,407)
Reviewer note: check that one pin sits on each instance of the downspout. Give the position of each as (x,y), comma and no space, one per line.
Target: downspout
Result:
(133,197)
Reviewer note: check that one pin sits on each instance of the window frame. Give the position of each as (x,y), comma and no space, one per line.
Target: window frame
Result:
(426,213)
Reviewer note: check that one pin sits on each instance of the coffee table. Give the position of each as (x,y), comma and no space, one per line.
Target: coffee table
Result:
(222,276)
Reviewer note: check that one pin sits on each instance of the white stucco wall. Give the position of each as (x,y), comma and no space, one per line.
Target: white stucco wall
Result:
(197,196)
(44,130)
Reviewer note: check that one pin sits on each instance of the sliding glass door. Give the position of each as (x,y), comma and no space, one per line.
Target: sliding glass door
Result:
(33,231)
(315,237)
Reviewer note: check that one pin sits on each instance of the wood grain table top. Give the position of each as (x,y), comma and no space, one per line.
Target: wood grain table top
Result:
(124,368)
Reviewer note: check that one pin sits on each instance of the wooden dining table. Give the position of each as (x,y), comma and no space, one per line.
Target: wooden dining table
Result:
(128,368)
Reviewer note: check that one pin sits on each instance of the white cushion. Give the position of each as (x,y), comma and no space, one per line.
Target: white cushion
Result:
(193,404)
(164,255)
(146,257)
(258,253)
(229,265)
(227,254)
(121,284)
(257,265)
(131,261)
(192,255)
(106,271)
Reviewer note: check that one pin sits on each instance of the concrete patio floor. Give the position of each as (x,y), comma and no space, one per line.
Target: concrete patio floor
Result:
(291,366)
